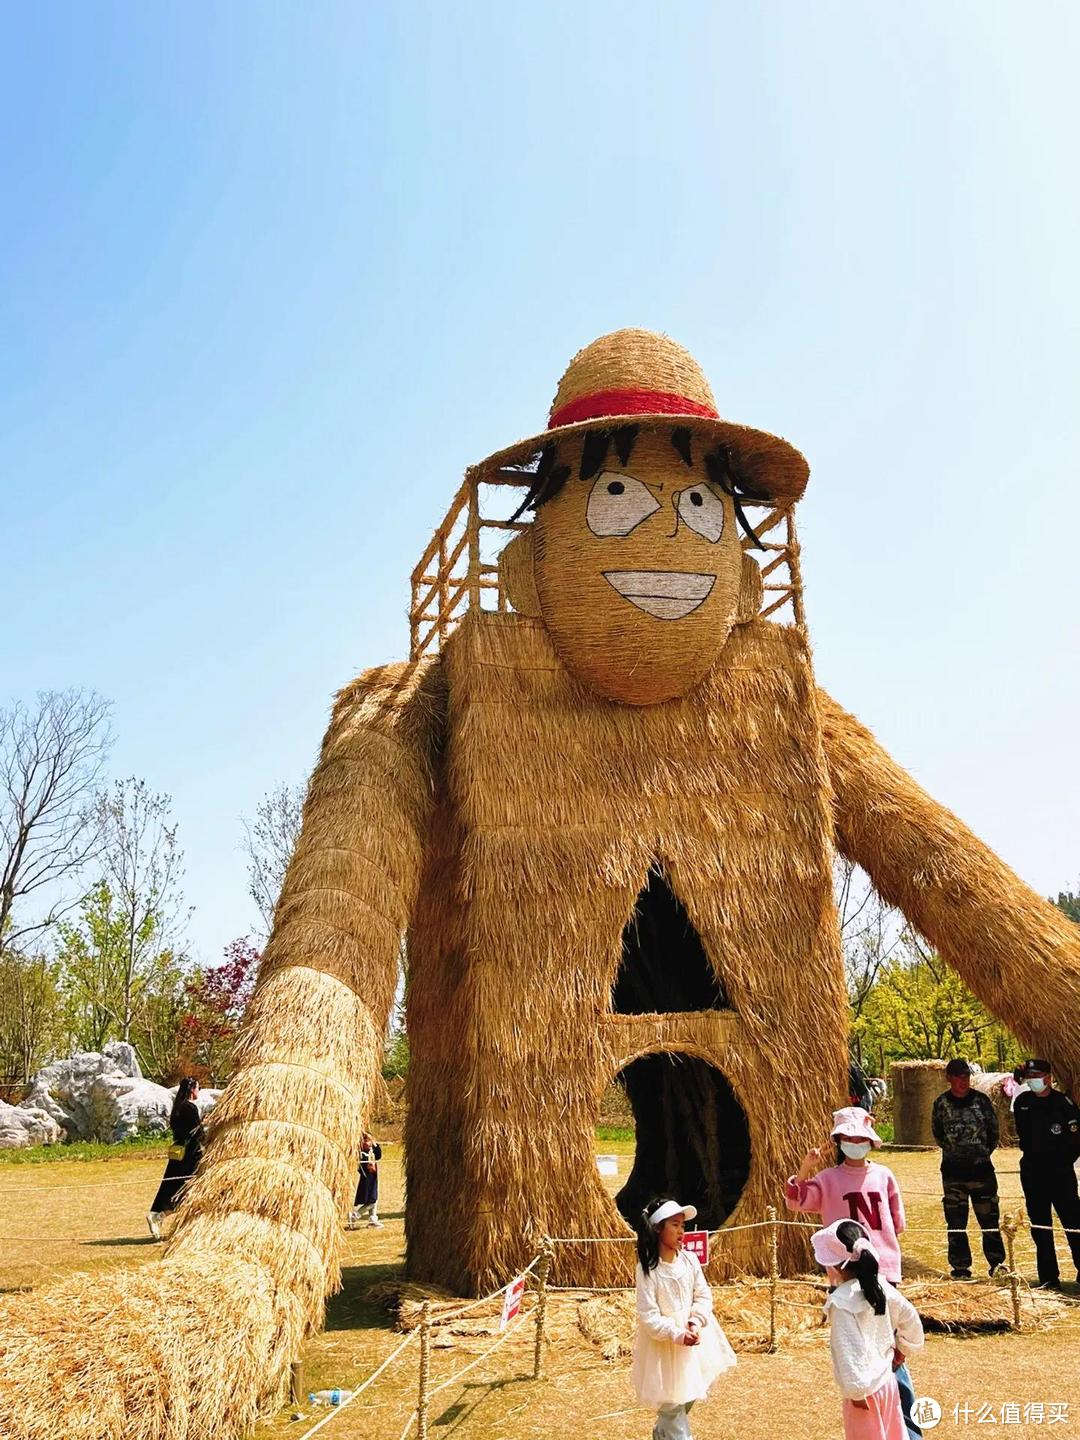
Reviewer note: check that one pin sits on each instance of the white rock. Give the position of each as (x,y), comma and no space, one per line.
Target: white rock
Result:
(21,1125)
(206,1101)
(93,1096)
(122,1106)
(99,1096)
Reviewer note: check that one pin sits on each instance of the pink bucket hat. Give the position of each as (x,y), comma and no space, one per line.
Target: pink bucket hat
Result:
(829,1249)
(853,1123)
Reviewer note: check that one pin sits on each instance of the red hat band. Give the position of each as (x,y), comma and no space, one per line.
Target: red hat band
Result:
(603,403)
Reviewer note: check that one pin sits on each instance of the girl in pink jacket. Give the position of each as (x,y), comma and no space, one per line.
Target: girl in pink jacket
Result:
(855,1188)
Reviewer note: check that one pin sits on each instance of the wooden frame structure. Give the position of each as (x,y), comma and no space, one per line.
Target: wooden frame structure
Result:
(456,573)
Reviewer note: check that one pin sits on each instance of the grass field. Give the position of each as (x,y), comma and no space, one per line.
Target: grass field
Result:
(88,1214)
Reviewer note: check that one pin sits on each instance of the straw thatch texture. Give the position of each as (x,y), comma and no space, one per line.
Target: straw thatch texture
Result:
(1017,952)
(914,1086)
(193,1348)
(634,360)
(553,806)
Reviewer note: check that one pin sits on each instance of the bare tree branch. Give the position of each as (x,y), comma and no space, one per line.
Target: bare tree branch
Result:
(51,758)
(269,841)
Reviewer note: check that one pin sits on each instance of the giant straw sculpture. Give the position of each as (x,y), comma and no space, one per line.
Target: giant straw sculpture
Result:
(606,819)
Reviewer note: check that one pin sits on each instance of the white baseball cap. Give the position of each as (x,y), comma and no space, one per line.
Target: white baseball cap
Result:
(669,1208)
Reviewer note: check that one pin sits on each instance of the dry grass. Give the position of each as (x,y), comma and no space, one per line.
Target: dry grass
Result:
(54,1231)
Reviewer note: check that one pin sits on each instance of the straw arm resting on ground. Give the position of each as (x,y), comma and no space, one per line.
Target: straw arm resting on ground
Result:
(193,1348)
(1016,951)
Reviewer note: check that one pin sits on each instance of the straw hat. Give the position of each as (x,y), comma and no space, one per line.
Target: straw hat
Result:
(635,377)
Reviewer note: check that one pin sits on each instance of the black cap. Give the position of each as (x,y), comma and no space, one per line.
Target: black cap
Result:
(957,1067)
(1035,1067)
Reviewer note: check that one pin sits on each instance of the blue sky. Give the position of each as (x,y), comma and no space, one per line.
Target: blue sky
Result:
(271,276)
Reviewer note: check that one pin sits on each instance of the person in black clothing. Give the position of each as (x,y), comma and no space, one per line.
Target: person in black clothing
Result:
(184,1153)
(1048,1126)
(965,1126)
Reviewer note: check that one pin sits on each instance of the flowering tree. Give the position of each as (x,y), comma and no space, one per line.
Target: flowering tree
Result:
(214,1001)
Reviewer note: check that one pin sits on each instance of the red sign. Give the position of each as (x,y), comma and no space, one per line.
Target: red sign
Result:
(697,1242)
(512,1301)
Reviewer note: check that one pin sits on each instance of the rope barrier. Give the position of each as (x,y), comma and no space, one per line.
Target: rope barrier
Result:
(442,1316)
(445,1384)
(361,1388)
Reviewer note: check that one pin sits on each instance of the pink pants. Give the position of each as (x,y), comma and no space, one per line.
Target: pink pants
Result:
(884,1419)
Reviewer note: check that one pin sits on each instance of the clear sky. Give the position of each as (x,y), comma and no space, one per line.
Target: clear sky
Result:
(272,275)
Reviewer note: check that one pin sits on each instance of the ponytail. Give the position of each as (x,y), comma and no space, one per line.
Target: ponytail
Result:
(863,1266)
(648,1240)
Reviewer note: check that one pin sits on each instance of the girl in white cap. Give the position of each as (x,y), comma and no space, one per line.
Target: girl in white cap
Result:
(872,1328)
(679,1349)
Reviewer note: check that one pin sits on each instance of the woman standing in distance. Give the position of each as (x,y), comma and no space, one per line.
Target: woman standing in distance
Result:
(185,1152)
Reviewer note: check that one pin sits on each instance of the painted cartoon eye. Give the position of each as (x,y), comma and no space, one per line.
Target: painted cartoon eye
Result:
(703,511)
(618,504)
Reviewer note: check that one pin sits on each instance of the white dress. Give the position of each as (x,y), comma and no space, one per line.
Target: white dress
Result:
(663,1371)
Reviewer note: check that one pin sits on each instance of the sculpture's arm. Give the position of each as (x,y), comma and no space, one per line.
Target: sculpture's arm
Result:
(1016,951)
(312,1038)
(193,1347)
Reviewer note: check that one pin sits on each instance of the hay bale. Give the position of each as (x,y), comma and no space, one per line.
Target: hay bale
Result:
(991,1083)
(915,1085)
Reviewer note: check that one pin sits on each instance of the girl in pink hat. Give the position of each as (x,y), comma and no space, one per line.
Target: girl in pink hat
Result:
(679,1349)
(857,1188)
(852,1188)
(872,1326)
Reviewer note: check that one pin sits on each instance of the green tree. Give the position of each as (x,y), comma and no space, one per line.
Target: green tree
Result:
(32,1022)
(1070,904)
(120,985)
(142,864)
(920,1009)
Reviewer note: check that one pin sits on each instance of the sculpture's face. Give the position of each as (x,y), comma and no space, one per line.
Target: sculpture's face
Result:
(638,573)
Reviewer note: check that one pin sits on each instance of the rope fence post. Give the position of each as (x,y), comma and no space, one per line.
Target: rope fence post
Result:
(541,1307)
(297,1388)
(1008,1228)
(774,1275)
(424,1382)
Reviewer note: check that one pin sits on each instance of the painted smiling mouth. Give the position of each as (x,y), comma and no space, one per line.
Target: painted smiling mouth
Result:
(667,594)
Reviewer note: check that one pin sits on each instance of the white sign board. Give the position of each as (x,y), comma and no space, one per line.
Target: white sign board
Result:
(512,1301)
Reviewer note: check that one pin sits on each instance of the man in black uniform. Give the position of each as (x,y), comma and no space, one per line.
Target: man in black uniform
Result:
(1048,1125)
(966,1128)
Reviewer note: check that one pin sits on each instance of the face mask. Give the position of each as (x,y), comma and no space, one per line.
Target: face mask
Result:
(1037,1085)
(855,1150)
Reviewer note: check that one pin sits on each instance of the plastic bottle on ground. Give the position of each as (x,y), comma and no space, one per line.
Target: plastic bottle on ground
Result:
(328,1397)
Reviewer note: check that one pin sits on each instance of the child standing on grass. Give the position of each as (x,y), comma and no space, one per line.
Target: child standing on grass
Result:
(679,1349)
(365,1204)
(856,1188)
(872,1328)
